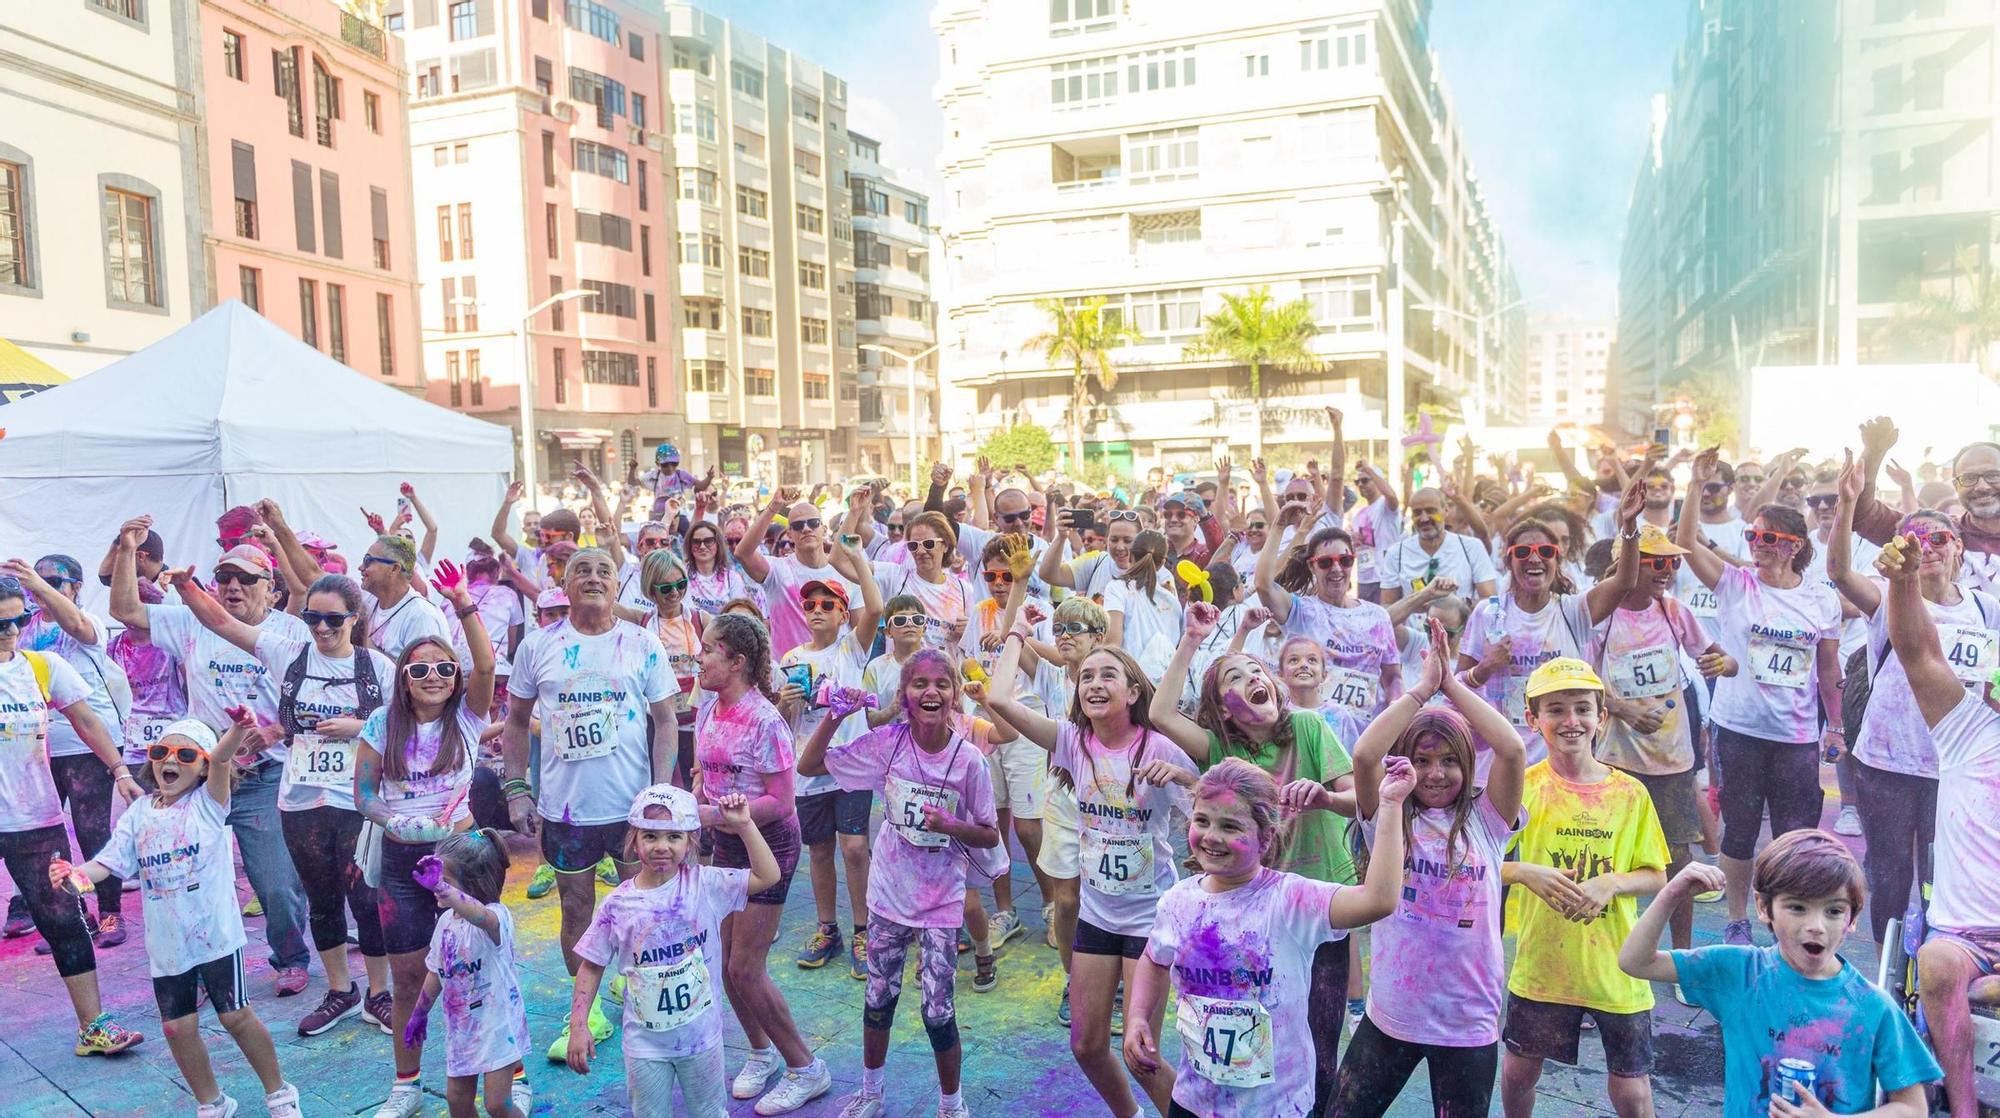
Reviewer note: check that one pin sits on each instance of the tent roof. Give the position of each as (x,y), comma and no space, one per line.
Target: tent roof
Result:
(22,374)
(233,393)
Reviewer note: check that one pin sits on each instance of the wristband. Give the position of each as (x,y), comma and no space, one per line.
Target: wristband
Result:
(466,612)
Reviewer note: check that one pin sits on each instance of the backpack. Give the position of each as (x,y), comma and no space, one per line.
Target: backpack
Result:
(367,689)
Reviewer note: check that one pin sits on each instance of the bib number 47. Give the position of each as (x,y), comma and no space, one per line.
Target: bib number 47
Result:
(1218,1043)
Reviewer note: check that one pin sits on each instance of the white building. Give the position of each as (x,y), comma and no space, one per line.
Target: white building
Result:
(893,310)
(1567,363)
(1162,154)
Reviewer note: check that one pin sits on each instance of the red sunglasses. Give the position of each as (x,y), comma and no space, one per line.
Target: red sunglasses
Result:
(1768,537)
(1524,550)
(1326,562)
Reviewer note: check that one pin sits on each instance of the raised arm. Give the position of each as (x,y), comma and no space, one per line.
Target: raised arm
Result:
(1566,462)
(1383,887)
(756,567)
(450,581)
(1705,564)
(1854,586)
(1913,633)
(611,535)
(504,540)
(1510,756)
(1475,524)
(855,567)
(126,607)
(210,613)
(1166,708)
(1603,598)
(1033,724)
(67,615)
(1051,568)
(428,545)
(299,563)
(1276,598)
(1774,477)
(1381,734)
(1336,464)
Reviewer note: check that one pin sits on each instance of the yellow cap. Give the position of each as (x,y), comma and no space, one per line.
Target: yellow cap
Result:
(1654,541)
(1563,674)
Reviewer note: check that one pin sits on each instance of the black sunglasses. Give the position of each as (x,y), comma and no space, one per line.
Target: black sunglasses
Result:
(240,578)
(315,618)
(678,586)
(185,754)
(1822,500)
(9,624)
(1714,487)
(809,524)
(445,669)
(1017,517)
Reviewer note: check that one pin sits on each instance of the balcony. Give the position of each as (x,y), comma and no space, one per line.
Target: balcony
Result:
(897,327)
(361,34)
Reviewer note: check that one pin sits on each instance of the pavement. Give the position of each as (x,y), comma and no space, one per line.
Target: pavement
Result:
(1017,1057)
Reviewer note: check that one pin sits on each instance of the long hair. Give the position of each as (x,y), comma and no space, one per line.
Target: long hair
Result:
(747,637)
(1559,582)
(1447,726)
(401,720)
(721,544)
(1258,791)
(1139,711)
(1549,512)
(1149,554)
(478,860)
(1783,518)
(1296,573)
(1212,716)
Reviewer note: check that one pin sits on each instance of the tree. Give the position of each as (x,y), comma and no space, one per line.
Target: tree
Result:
(1715,397)
(1962,324)
(1082,336)
(1024,444)
(1252,330)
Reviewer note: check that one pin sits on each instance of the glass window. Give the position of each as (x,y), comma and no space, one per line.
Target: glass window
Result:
(754,262)
(706,375)
(232,55)
(128,228)
(747,80)
(464,19)
(752,203)
(756,322)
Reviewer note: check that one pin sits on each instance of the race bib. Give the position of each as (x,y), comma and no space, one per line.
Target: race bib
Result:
(26,731)
(1701,603)
(1776,663)
(582,731)
(907,800)
(1646,673)
(1972,651)
(1226,1042)
(1364,565)
(317,761)
(1117,865)
(142,733)
(666,998)
(1351,690)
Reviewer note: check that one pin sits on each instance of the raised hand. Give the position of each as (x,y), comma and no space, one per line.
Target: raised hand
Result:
(1706,465)
(1201,621)
(1631,503)
(940,474)
(1851,482)
(375,522)
(1899,475)
(1878,435)
(734,808)
(429,872)
(449,578)
(1398,780)
(1899,558)
(1255,616)
(1259,473)
(132,533)
(1304,795)
(269,512)
(515,491)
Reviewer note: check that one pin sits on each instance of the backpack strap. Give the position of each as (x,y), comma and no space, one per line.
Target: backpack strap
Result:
(367,686)
(39,664)
(288,693)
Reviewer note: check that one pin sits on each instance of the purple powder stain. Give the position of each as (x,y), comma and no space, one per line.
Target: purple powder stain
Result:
(566,816)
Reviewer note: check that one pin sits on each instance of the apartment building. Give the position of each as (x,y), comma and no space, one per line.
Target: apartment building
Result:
(899,409)
(763,295)
(1567,362)
(1161,154)
(101,222)
(308,187)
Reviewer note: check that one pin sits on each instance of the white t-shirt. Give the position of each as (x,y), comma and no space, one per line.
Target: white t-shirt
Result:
(92,662)
(947,603)
(422,793)
(319,771)
(842,661)
(709,593)
(632,588)
(593,695)
(1892,735)
(180,855)
(916,877)
(1463,559)
(1853,630)
(1152,625)
(219,674)
(667,942)
(1728,540)
(1560,628)
(1376,529)
(1774,635)
(392,629)
(1359,643)
(1126,851)
(781,589)
(739,747)
(486,1020)
(499,611)
(1966,893)
(27,790)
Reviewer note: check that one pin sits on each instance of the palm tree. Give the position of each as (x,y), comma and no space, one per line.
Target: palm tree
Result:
(1082,336)
(1252,330)
(1962,323)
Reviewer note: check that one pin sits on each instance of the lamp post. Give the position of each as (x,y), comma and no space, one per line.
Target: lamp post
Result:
(1477,420)
(1390,197)
(528,447)
(910,371)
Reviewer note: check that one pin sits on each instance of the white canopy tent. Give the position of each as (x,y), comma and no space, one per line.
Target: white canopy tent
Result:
(224,411)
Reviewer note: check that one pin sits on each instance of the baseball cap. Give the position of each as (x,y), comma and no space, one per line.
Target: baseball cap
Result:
(1564,673)
(666,452)
(1654,541)
(246,557)
(552,598)
(194,731)
(234,523)
(1190,501)
(824,586)
(683,813)
(313,541)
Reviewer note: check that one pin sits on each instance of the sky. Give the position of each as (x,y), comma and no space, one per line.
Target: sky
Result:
(1553,99)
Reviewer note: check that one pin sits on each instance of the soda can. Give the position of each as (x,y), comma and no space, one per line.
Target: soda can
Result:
(1796,1078)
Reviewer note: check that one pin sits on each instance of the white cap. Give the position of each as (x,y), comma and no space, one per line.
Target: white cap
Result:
(194,731)
(683,813)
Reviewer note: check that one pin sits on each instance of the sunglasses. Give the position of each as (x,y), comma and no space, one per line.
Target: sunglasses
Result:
(1297,498)
(1662,562)
(1749,479)
(1753,535)
(678,586)
(1525,550)
(315,618)
(1074,628)
(185,754)
(1796,481)
(1128,515)
(1822,501)
(894,528)
(703,541)
(897,619)
(241,578)
(367,559)
(821,605)
(1328,562)
(809,524)
(1256,526)
(1936,537)
(444,669)
(1017,517)
(1714,487)
(60,581)
(9,624)
(931,544)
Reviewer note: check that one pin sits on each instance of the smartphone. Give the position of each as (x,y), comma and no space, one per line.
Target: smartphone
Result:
(802,676)
(1083,520)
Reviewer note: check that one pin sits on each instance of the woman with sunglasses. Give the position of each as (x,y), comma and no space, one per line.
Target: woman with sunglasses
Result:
(679,627)
(414,780)
(714,579)
(1784,628)
(328,686)
(947,599)
(1091,573)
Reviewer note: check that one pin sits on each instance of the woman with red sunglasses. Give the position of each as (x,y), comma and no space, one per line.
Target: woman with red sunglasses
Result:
(1784,627)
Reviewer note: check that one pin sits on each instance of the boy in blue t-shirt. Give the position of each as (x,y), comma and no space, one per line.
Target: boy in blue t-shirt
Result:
(1798,1000)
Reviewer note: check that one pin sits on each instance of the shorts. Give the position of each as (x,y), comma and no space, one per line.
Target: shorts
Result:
(409,911)
(177,994)
(1755,771)
(649,1085)
(1061,833)
(1674,802)
(1019,769)
(1093,940)
(578,847)
(783,839)
(1981,945)
(824,814)
(1549,1031)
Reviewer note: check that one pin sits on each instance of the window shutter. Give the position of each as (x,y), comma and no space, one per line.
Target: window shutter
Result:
(378,212)
(423,13)
(244,158)
(302,205)
(329,211)
(484,16)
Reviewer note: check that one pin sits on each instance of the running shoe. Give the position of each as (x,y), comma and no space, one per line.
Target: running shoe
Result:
(1737,932)
(110,930)
(857,956)
(797,1088)
(522,1096)
(337,1006)
(614,992)
(543,881)
(757,1072)
(1003,927)
(858,1105)
(954,1110)
(1710,897)
(820,948)
(283,1102)
(1062,1011)
(985,976)
(291,981)
(379,1010)
(600,1031)
(254,908)
(406,1100)
(222,1107)
(103,1037)
(607,871)
(19,923)
(1848,822)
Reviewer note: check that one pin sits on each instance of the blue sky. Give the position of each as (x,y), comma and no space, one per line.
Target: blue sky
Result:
(1553,98)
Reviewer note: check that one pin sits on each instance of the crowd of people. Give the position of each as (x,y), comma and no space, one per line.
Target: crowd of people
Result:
(1226,726)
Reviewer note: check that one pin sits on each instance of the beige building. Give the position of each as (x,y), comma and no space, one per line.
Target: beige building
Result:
(893,311)
(1567,362)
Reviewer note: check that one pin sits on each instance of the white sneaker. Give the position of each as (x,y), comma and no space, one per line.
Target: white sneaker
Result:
(757,1072)
(959,1111)
(858,1105)
(406,1100)
(224,1107)
(1849,822)
(283,1102)
(522,1096)
(796,1089)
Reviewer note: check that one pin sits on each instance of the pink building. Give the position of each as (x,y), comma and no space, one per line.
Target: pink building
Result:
(309,178)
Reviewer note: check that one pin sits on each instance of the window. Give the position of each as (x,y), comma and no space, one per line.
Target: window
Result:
(812,219)
(336,322)
(548,158)
(285,83)
(812,331)
(329,214)
(638,110)
(1159,69)
(464,20)
(470,287)
(704,249)
(1257,65)
(371,113)
(643,180)
(760,382)
(545,76)
(448,291)
(752,203)
(614,299)
(843,231)
(603,366)
(561,376)
(385,332)
(815,385)
(551,227)
(1163,156)
(757,322)
(808,162)
(429,81)
(749,144)
(812,274)
(326,103)
(600,159)
(1161,232)
(465,230)
(645,250)
(1068,17)
(232,55)
(869,200)
(309,312)
(603,229)
(473,378)
(697,121)
(706,375)
(696,185)
(444,233)
(596,89)
(635,46)
(651,317)
(250,281)
(1165,315)
(1342,304)
(747,80)
(871,251)
(870,303)
(440,155)
(702,314)
(461,153)
(754,262)
(693,56)
(131,263)
(134,10)
(1087,81)
(916,213)
(598,20)
(243,168)
(451,376)
(652,385)
(868,151)
(1321,49)
(806,107)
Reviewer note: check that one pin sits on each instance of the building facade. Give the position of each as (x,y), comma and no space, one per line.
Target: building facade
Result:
(308,179)
(1822,169)
(1566,366)
(899,408)
(1163,154)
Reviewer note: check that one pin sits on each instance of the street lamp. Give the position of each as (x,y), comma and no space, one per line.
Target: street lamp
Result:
(1477,421)
(528,447)
(910,371)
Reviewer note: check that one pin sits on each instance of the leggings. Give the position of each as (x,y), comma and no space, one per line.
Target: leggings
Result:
(649,1085)
(1378,1065)
(1326,1017)
(888,946)
(321,840)
(1899,816)
(57,915)
(1756,772)
(85,785)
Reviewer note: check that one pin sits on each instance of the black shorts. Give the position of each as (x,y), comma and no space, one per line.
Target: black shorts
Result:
(578,847)
(1549,1031)
(1093,940)
(783,839)
(176,994)
(824,814)
(409,911)
(1756,772)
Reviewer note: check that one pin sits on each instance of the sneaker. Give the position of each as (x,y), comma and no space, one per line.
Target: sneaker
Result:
(820,947)
(796,1089)
(1737,932)
(1004,927)
(1848,822)
(559,1049)
(1710,897)
(600,1025)
(615,991)
(337,1006)
(291,980)
(1118,1013)
(283,1102)
(19,923)
(858,1105)
(254,908)
(607,871)
(857,956)
(757,1072)
(1049,925)
(406,1100)
(222,1107)
(104,1036)
(110,930)
(1356,1009)
(522,1096)
(1062,1010)
(380,1009)
(957,1110)
(964,940)
(543,881)
(985,976)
